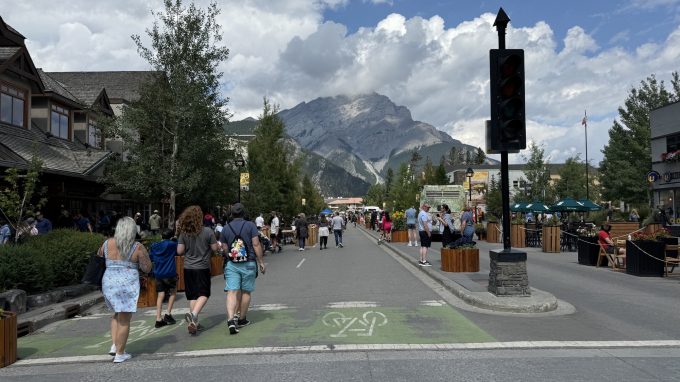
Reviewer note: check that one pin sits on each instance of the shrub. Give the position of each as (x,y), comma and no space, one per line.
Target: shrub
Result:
(46,261)
(398,221)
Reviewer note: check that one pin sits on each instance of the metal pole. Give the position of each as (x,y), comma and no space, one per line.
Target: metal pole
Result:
(585,123)
(501,23)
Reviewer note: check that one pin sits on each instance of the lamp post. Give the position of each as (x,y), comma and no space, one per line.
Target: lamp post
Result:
(239,162)
(469,173)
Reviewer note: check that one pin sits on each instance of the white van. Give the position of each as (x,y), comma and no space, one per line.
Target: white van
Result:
(369,209)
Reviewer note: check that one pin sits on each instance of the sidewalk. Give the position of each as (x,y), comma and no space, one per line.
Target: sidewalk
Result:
(472,287)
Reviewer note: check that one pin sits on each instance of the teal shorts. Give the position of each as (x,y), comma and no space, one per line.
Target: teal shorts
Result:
(240,276)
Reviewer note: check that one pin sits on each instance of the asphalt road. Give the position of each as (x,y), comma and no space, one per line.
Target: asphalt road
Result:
(358,313)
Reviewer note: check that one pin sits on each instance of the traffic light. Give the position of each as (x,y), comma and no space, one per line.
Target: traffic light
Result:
(507,130)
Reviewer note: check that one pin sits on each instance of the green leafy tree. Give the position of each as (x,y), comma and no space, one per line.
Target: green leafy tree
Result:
(627,155)
(274,172)
(537,174)
(314,202)
(375,196)
(174,131)
(572,182)
(20,194)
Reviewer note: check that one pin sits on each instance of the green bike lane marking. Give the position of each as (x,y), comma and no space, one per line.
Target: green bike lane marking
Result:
(289,327)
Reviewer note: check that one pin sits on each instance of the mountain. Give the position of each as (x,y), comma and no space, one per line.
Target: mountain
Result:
(348,143)
(364,134)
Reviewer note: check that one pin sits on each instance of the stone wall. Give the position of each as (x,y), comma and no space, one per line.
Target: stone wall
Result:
(508,275)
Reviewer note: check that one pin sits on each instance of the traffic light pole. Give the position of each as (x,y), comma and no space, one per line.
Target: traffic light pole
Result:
(508,273)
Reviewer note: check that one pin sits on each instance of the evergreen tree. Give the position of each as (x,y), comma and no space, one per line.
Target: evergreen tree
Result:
(480,158)
(454,156)
(375,196)
(428,172)
(440,176)
(405,189)
(627,155)
(314,202)
(274,173)
(173,132)
(494,204)
(389,180)
(572,181)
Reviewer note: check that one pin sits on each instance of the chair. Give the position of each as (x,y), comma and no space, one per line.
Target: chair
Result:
(616,261)
(671,261)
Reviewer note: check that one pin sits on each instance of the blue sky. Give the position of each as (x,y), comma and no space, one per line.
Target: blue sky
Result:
(430,56)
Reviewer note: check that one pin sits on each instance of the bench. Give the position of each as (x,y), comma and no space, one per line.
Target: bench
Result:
(671,261)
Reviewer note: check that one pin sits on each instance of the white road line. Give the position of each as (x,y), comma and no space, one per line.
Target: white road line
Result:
(301,261)
(352,304)
(433,303)
(519,345)
(269,307)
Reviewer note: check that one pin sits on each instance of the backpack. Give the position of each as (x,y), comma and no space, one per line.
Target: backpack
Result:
(237,250)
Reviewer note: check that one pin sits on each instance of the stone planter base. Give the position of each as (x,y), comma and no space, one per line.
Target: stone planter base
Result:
(460,260)
(508,273)
(8,338)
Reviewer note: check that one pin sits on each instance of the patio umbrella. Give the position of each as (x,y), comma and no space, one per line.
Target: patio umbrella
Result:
(569,204)
(590,205)
(536,206)
(326,211)
(518,207)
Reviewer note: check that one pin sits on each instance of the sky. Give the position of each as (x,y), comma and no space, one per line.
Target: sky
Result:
(581,56)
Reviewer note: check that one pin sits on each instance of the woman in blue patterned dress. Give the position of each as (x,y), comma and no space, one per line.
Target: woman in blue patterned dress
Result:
(120,285)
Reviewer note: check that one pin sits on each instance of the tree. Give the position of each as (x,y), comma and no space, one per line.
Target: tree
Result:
(405,189)
(20,195)
(314,202)
(627,155)
(454,156)
(440,176)
(174,131)
(428,172)
(389,179)
(537,174)
(468,158)
(375,196)
(480,157)
(274,172)
(494,202)
(572,181)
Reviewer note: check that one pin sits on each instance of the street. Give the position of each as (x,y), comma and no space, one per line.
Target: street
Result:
(363,313)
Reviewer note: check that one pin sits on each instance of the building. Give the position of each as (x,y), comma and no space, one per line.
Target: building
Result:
(665,149)
(54,117)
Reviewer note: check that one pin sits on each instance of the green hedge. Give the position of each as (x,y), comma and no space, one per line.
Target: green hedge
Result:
(47,261)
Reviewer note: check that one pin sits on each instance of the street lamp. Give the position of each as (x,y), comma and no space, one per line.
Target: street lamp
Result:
(469,173)
(239,162)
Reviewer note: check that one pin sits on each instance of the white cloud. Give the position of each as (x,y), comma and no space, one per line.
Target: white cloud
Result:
(286,51)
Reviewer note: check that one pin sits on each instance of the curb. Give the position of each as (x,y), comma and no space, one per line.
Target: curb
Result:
(539,301)
(38,318)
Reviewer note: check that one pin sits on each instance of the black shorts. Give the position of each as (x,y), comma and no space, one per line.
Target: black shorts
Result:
(425,240)
(196,283)
(411,226)
(273,236)
(166,284)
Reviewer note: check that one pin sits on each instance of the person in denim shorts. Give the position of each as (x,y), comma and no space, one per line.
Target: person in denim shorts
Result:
(240,271)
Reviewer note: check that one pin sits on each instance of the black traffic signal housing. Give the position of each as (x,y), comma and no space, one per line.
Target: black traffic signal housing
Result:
(507,128)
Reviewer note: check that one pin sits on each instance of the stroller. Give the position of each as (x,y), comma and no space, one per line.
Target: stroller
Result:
(266,243)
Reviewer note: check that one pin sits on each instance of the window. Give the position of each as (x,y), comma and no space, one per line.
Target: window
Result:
(672,143)
(59,127)
(12,105)
(93,134)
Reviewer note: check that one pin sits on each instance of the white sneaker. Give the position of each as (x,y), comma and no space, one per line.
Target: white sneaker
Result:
(409,244)
(112,351)
(416,244)
(122,357)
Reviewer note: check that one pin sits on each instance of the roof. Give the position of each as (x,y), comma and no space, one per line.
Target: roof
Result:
(346,201)
(123,86)
(54,86)
(18,145)
(7,52)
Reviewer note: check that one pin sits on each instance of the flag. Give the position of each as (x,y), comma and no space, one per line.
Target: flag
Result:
(584,121)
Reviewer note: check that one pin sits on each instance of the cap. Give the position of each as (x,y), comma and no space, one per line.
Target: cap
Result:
(237,209)
(30,221)
(138,214)
(155,211)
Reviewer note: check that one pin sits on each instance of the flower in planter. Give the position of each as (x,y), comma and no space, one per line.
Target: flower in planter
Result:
(398,221)
(643,236)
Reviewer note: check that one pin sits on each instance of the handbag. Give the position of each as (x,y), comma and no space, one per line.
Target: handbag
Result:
(95,270)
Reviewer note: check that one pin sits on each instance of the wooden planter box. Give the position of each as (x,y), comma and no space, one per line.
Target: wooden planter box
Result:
(493,234)
(460,260)
(368,224)
(216,266)
(147,293)
(313,235)
(517,235)
(399,236)
(551,239)
(179,266)
(8,338)
(620,230)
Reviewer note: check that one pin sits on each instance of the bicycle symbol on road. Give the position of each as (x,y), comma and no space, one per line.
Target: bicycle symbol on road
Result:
(361,326)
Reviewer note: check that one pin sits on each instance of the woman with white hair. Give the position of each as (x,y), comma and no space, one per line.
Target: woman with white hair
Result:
(120,284)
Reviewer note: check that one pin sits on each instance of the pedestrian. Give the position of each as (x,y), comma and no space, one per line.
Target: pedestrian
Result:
(162,255)
(301,231)
(605,241)
(42,224)
(274,232)
(374,219)
(447,224)
(259,221)
(323,232)
(425,233)
(240,238)
(5,232)
(196,242)
(338,225)
(208,220)
(155,223)
(120,284)
(64,220)
(386,232)
(82,223)
(411,226)
(103,223)
(634,216)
